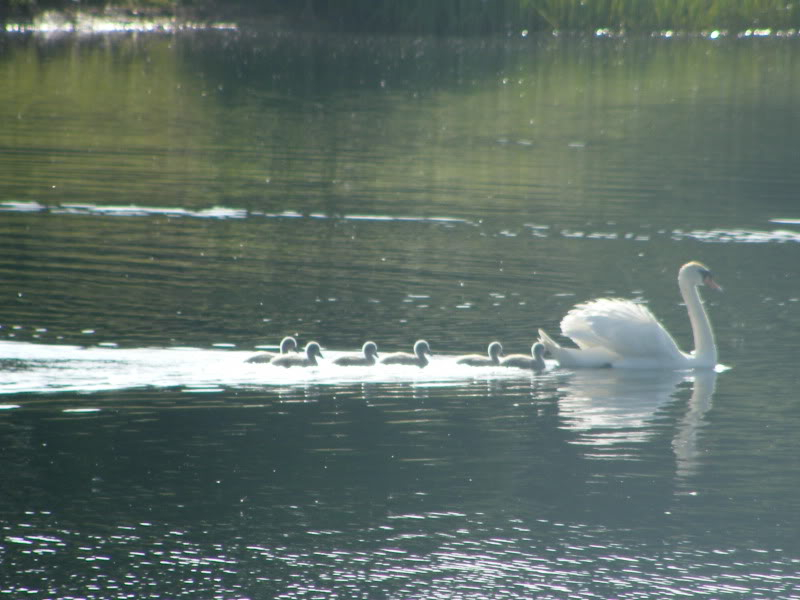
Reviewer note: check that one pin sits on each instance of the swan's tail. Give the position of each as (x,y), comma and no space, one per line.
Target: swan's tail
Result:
(550,345)
(577,357)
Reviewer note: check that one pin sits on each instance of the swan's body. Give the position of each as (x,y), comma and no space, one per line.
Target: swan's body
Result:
(370,354)
(419,358)
(495,351)
(611,332)
(535,361)
(288,344)
(298,360)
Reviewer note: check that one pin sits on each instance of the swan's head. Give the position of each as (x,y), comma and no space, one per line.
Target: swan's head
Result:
(370,349)
(537,350)
(495,349)
(288,344)
(421,348)
(313,349)
(695,273)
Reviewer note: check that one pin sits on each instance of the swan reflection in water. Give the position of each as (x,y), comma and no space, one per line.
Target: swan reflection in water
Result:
(685,442)
(611,408)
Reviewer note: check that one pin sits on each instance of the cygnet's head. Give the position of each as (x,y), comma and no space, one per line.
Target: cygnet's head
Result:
(537,350)
(495,349)
(288,344)
(313,349)
(370,349)
(421,348)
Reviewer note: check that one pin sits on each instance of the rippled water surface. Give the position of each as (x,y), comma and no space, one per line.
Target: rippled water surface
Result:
(172,204)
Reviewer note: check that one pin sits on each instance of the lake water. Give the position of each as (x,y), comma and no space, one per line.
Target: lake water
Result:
(171,202)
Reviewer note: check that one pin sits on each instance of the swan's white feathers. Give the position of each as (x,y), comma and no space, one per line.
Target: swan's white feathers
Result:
(621,327)
(611,332)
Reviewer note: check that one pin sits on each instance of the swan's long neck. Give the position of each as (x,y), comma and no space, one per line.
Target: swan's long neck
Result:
(705,349)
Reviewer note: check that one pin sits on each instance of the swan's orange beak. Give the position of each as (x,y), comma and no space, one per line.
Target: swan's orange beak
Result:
(709,281)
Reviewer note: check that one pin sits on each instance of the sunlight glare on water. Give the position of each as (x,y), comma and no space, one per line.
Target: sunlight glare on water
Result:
(85,24)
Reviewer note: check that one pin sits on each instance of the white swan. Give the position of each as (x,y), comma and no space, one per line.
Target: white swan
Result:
(611,332)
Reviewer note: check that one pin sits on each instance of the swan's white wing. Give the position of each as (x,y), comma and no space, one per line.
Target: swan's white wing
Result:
(621,327)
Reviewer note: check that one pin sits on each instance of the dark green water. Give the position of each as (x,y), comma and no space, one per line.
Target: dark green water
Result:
(170,202)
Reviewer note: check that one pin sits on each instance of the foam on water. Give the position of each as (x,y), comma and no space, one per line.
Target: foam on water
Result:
(26,367)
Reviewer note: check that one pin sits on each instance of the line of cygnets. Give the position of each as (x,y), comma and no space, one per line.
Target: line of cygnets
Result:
(289,357)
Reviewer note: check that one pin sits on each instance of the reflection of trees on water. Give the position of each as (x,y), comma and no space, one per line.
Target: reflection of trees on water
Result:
(19,451)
